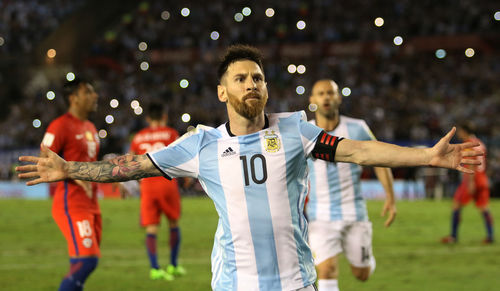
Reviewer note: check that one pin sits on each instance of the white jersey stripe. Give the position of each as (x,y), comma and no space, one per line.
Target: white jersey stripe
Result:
(296,185)
(282,226)
(239,224)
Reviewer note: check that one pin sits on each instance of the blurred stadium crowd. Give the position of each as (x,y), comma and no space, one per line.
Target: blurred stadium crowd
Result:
(411,69)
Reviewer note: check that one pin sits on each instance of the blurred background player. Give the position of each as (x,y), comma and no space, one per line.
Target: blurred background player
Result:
(75,208)
(336,209)
(158,194)
(473,186)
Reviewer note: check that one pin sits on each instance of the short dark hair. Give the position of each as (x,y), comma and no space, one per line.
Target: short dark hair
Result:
(155,110)
(236,53)
(70,87)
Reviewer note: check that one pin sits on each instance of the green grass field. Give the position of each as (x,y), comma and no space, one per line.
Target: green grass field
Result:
(409,257)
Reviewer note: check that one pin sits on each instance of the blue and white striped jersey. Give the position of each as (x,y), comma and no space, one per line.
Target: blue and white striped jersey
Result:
(335,192)
(258,183)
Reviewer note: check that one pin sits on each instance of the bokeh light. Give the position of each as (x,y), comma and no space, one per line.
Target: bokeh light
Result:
(300,90)
(246,11)
(138,110)
(185,12)
(470,52)
(134,104)
(50,95)
(269,12)
(301,24)
(398,40)
(440,53)
(312,107)
(70,76)
(238,17)
(109,119)
(184,83)
(379,21)
(51,53)
(214,35)
(497,16)
(114,103)
(37,123)
(103,133)
(292,69)
(185,117)
(144,66)
(346,91)
(165,15)
(301,69)
(143,46)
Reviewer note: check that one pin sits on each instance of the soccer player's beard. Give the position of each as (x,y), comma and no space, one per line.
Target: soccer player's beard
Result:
(328,114)
(248,110)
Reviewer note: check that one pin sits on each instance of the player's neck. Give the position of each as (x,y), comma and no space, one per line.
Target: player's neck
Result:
(78,113)
(326,122)
(239,125)
(156,123)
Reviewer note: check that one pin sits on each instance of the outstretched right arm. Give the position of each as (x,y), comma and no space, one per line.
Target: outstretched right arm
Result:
(49,167)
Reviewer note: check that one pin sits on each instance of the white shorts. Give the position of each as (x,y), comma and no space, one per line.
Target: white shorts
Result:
(353,238)
(308,288)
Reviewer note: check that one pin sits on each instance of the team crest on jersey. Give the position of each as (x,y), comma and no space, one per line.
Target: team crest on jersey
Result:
(87,242)
(272,142)
(89,136)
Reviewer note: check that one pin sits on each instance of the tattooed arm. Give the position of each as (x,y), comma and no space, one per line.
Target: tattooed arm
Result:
(50,168)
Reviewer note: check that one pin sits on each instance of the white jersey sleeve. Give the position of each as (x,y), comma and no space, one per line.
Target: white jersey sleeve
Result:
(181,158)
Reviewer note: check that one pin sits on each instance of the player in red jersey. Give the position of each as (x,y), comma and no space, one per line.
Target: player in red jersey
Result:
(75,208)
(158,194)
(473,186)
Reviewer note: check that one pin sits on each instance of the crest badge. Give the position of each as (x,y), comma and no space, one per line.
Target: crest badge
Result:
(272,142)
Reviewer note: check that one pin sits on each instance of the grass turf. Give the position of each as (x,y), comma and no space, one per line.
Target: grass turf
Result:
(409,255)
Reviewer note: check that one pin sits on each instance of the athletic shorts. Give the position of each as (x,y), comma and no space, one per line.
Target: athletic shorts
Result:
(308,288)
(330,238)
(481,196)
(82,231)
(156,200)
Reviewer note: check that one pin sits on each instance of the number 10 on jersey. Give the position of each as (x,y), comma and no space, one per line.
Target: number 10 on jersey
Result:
(261,163)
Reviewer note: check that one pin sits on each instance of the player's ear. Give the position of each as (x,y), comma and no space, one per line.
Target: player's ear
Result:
(221,93)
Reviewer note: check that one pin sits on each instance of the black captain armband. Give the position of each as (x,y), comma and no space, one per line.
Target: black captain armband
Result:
(326,146)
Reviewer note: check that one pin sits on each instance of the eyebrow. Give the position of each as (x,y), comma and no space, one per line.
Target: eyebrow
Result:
(246,74)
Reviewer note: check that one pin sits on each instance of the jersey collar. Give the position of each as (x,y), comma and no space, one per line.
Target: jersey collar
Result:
(266,125)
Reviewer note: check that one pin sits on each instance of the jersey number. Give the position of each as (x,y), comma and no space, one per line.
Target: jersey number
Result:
(252,169)
(84,228)
(146,147)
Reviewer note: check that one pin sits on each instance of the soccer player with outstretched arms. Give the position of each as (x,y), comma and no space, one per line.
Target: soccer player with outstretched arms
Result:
(254,168)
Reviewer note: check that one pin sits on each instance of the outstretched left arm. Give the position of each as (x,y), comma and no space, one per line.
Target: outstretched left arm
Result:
(380,154)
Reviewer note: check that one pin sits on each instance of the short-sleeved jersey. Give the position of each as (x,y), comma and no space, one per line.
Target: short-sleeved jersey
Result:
(151,139)
(74,140)
(335,192)
(258,183)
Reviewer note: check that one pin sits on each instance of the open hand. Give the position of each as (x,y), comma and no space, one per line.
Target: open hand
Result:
(49,167)
(454,156)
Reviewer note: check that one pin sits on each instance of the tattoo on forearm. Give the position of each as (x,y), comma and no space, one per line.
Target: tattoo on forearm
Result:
(123,168)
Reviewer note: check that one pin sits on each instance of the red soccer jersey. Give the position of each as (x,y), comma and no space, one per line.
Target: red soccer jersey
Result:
(74,140)
(480,177)
(151,139)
